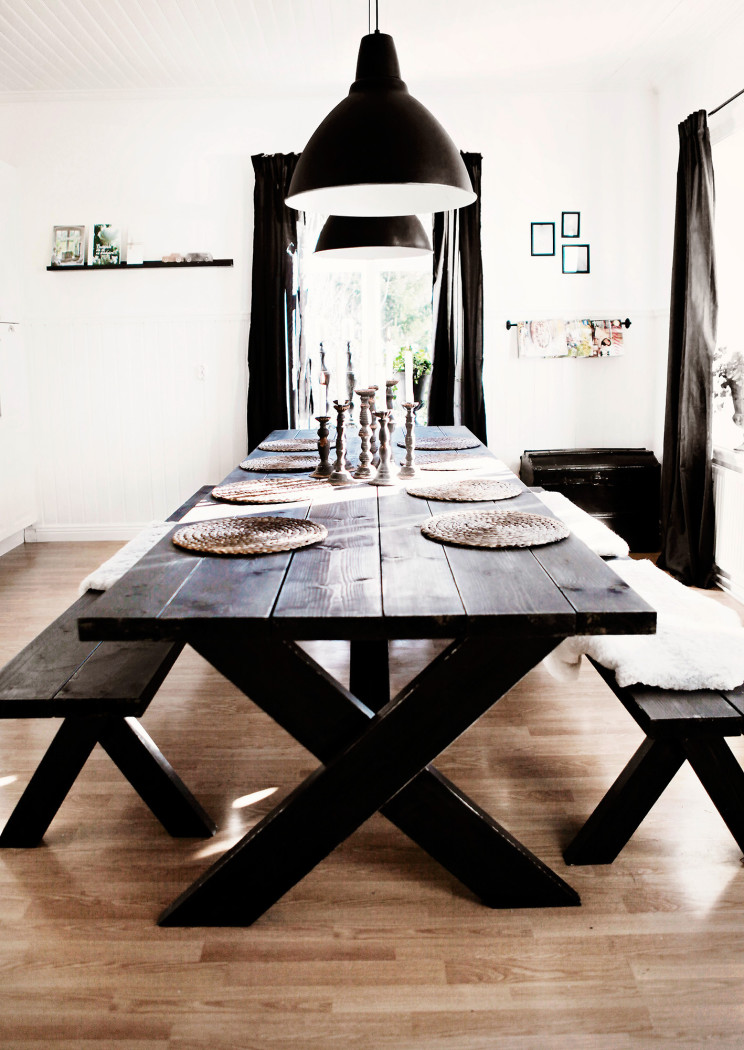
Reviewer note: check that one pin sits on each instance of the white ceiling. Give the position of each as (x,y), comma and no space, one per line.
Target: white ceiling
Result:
(268,46)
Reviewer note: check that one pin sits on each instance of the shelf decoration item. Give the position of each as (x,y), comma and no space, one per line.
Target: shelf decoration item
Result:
(409,468)
(365,470)
(106,245)
(68,248)
(324,468)
(379,152)
(384,475)
(494,528)
(249,535)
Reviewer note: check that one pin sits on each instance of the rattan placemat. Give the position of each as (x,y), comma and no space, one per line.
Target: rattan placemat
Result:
(249,535)
(465,490)
(443,443)
(494,528)
(271,490)
(269,464)
(289,445)
(448,461)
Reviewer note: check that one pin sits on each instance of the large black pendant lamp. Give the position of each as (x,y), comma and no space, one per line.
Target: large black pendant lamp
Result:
(379,152)
(361,237)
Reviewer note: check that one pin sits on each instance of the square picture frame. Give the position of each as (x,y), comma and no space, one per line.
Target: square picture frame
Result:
(575,258)
(542,238)
(68,245)
(570,223)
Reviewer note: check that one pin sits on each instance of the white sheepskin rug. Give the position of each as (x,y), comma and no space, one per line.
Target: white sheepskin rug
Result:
(699,643)
(110,571)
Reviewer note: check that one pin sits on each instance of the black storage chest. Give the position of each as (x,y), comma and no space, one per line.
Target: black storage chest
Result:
(620,486)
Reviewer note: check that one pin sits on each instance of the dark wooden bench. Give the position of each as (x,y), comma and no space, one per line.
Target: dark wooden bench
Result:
(679,726)
(99,689)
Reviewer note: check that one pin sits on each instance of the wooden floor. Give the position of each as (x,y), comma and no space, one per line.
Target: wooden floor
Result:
(378,947)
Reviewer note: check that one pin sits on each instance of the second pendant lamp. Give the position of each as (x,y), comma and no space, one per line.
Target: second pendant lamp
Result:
(361,237)
(380,151)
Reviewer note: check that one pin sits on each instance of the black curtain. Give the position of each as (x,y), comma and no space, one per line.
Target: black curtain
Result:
(458,312)
(273,331)
(687,515)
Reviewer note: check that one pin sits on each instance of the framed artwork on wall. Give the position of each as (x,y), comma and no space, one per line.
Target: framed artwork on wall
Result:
(575,258)
(570,223)
(542,238)
(68,246)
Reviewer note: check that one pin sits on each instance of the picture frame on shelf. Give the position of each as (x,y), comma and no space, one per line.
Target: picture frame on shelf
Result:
(106,245)
(575,258)
(68,246)
(542,238)
(570,223)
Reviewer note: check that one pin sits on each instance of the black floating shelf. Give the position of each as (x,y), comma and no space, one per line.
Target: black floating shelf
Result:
(152,264)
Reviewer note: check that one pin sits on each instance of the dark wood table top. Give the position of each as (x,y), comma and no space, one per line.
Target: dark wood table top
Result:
(375,576)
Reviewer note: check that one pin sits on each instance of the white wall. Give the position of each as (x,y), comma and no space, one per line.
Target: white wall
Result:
(124,428)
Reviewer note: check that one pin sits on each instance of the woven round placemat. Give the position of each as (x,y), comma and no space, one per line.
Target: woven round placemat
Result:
(443,443)
(290,445)
(494,528)
(465,490)
(270,490)
(269,464)
(249,535)
(448,461)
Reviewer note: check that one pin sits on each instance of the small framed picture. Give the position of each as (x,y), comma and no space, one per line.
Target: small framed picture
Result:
(543,238)
(68,246)
(570,223)
(576,258)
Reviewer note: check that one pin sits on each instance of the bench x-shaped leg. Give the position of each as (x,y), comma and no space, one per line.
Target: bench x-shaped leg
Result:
(371,762)
(138,758)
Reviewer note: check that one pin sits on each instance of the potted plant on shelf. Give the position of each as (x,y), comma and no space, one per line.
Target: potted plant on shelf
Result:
(728,375)
(421,374)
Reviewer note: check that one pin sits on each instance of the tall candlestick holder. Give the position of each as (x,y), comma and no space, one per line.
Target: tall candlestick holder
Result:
(409,468)
(340,474)
(324,468)
(374,447)
(384,475)
(390,385)
(365,470)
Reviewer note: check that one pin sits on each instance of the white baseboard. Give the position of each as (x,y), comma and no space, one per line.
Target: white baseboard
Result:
(82,533)
(731,586)
(10,542)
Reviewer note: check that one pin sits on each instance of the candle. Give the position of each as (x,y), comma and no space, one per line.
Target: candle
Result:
(408,364)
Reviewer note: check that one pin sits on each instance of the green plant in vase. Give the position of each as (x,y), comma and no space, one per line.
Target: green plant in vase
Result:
(421,374)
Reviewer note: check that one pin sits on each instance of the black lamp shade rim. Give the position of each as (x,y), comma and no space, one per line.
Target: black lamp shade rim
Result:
(374,238)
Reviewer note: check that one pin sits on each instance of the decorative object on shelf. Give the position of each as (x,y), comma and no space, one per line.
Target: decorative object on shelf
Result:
(575,258)
(174,257)
(419,371)
(68,246)
(106,245)
(379,152)
(443,444)
(494,528)
(365,470)
(728,376)
(542,238)
(350,384)
(199,257)
(365,237)
(340,474)
(449,461)
(323,468)
(259,535)
(270,490)
(324,379)
(374,447)
(409,468)
(271,464)
(148,264)
(384,475)
(465,490)
(135,253)
(289,445)
(570,223)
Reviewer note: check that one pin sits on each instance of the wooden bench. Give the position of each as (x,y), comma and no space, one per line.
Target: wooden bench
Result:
(679,726)
(99,689)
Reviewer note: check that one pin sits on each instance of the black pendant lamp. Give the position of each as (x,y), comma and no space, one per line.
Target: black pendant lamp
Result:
(379,152)
(361,237)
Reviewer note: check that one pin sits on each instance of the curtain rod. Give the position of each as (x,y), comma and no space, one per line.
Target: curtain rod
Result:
(726,102)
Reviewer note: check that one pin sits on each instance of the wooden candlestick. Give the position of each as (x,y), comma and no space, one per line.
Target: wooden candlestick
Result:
(364,471)
(409,468)
(324,468)
(340,474)
(384,474)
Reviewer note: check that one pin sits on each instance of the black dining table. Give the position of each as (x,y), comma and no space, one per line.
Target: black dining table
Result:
(374,579)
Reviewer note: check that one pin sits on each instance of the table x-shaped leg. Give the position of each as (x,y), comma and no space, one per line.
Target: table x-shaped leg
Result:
(372,761)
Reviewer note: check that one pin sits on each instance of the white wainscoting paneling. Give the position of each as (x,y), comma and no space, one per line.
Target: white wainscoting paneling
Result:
(131,416)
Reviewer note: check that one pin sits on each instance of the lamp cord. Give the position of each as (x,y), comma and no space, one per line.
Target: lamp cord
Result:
(377,16)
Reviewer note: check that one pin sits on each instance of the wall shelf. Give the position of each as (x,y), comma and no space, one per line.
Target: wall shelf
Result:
(147,265)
